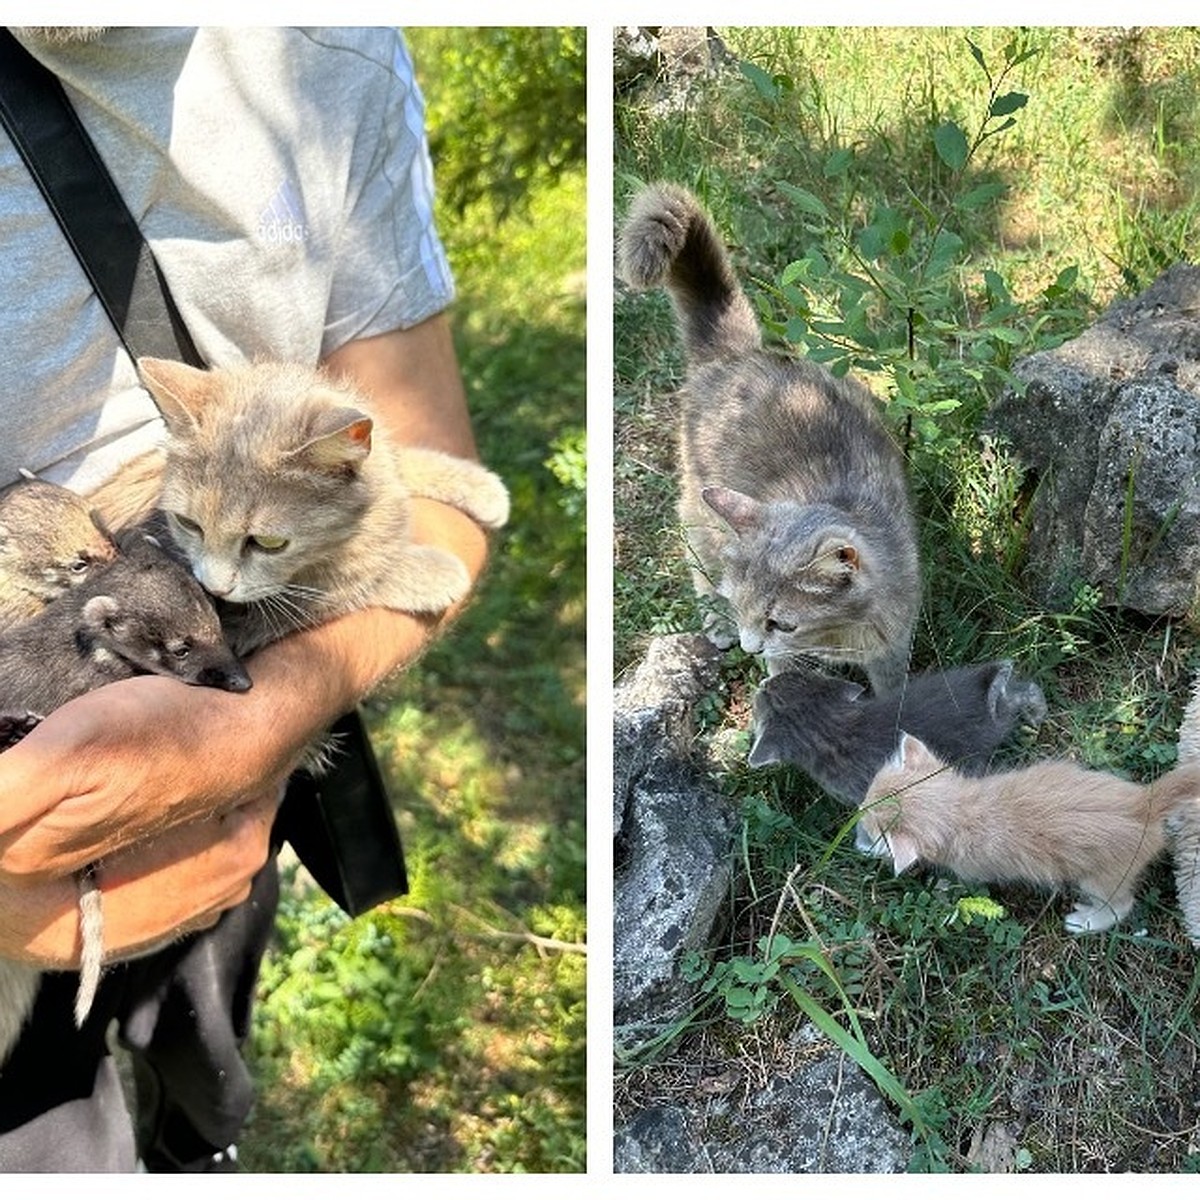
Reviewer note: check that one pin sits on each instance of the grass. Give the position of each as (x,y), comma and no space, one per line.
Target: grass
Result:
(445,1031)
(974,999)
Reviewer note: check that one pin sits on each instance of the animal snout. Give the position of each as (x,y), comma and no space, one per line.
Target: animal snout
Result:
(228,679)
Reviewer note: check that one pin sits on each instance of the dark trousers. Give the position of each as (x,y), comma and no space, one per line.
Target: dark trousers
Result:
(183,1014)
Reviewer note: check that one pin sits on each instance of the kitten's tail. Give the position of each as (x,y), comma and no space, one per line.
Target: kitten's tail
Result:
(91,934)
(668,240)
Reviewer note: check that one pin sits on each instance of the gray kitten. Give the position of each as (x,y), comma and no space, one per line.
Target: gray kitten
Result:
(793,496)
(841,737)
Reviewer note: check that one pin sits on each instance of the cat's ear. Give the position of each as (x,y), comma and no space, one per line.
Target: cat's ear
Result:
(742,513)
(339,439)
(902,849)
(837,557)
(914,755)
(180,391)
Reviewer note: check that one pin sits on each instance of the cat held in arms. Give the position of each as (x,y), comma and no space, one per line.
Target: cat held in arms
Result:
(793,494)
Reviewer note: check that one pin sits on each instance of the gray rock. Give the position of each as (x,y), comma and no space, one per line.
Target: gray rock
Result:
(673,837)
(1109,426)
(823,1115)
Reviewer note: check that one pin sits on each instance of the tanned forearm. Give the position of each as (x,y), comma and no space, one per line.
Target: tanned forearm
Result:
(312,677)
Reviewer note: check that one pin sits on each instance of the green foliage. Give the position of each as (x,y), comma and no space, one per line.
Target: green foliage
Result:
(887,288)
(346,993)
(505,110)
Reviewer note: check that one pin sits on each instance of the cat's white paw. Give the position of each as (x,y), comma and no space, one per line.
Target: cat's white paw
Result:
(489,502)
(1089,918)
(431,581)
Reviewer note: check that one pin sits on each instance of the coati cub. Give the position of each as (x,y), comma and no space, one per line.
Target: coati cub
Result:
(48,543)
(142,613)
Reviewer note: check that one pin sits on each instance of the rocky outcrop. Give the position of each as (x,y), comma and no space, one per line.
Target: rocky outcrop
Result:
(1109,429)
(672,835)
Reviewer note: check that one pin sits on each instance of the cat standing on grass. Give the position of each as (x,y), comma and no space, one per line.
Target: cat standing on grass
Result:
(793,496)
(1053,824)
(292,507)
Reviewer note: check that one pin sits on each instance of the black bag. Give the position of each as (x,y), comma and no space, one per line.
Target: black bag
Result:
(341,825)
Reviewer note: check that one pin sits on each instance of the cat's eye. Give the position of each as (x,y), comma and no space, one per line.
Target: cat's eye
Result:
(774,626)
(187,524)
(267,543)
(77,566)
(179,650)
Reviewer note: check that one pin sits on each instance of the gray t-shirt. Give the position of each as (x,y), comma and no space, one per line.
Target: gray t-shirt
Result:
(282,179)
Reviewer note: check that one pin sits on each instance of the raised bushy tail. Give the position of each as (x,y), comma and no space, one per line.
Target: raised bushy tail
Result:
(668,240)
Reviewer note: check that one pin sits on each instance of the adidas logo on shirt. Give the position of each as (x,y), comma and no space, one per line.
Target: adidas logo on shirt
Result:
(282,221)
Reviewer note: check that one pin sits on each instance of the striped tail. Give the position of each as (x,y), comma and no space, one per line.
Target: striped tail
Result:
(668,240)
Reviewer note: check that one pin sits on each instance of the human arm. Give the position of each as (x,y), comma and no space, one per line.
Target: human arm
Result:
(122,765)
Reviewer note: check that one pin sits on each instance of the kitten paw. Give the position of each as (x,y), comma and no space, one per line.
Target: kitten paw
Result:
(1089,918)
(488,503)
(15,725)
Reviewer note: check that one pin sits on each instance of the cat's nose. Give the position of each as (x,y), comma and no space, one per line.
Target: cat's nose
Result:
(216,583)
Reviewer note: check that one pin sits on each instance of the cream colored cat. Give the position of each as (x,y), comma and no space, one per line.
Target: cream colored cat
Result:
(291,505)
(1054,824)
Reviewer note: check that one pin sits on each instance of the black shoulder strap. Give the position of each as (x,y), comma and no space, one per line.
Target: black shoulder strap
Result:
(60,156)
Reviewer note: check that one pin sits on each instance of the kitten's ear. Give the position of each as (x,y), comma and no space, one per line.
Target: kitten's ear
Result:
(101,613)
(902,849)
(764,752)
(340,439)
(742,512)
(180,391)
(914,755)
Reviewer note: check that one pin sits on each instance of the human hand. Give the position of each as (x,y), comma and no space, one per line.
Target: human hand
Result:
(180,882)
(121,765)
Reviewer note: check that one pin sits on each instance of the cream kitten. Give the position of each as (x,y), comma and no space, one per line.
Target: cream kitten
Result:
(1053,824)
(292,507)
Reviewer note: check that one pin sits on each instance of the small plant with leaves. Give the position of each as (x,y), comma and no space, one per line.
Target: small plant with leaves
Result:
(890,293)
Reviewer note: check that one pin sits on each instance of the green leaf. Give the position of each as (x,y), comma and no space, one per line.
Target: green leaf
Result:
(977,55)
(981,195)
(793,271)
(854,1044)
(838,162)
(996,288)
(951,145)
(803,200)
(1010,102)
(763,83)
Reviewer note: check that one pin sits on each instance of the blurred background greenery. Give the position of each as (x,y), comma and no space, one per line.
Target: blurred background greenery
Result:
(445,1030)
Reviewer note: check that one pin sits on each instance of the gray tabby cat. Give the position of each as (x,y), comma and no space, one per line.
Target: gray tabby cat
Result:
(793,496)
(841,737)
